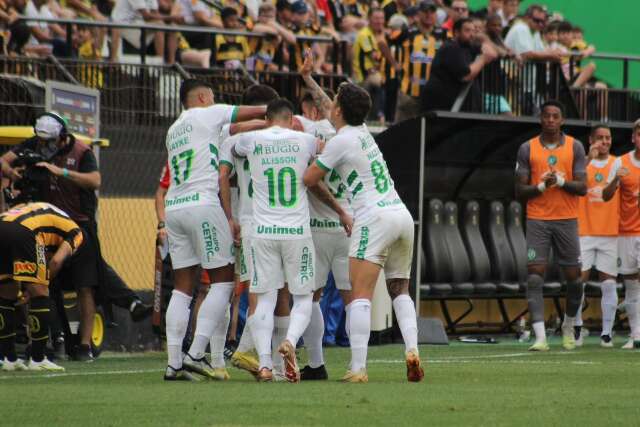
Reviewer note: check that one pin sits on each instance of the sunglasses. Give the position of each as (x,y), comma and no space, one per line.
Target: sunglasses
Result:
(539,21)
(460,9)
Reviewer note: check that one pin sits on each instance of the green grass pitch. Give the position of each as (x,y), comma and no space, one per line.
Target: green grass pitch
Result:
(465,385)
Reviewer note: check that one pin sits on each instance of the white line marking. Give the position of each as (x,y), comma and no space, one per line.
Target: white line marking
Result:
(21,375)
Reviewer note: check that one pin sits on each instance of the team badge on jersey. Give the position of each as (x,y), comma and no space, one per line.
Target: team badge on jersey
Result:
(599,177)
(552,160)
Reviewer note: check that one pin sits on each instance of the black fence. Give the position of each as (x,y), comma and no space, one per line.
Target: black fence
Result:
(513,87)
(137,105)
(337,49)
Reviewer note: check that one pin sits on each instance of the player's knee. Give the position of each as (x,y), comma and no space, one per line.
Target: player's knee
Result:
(534,283)
(397,287)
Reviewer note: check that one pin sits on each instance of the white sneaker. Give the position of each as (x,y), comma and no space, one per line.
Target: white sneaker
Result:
(606,341)
(583,334)
(629,345)
(278,376)
(18,365)
(44,365)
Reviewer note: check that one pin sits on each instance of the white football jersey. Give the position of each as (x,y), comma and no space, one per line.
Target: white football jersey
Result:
(241,168)
(323,129)
(278,158)
(193,144)
(323,218)
(354,155)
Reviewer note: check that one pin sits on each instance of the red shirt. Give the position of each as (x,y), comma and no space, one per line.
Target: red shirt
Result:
(164,177)
(323,5)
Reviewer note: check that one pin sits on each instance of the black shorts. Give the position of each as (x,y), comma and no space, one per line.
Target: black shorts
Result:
(81,269)
(22,255)
(561,235)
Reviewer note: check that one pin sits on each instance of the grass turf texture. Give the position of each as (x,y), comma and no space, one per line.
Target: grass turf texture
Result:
(465,384)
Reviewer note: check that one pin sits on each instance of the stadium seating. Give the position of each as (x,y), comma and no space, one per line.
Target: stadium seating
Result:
(465,263)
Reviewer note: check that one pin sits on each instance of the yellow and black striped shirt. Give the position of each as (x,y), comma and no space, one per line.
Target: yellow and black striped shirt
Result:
(51,225)
(366,54)
(231,47)
(419,49)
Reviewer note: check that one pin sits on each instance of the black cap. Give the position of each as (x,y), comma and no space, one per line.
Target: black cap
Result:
(411,11)
(426,5)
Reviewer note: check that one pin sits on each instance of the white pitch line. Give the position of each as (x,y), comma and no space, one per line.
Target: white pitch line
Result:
(454,358)
(20,375)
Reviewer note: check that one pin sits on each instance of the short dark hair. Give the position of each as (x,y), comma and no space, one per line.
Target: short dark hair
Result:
(354,102)
(595,128)
(534,8)
(565,27)
(578,29)
(259,95)
(552,103)
(307,97)
(553,26)
(190,84)
(374,10)
(279,107)
(457,26)
(227,12)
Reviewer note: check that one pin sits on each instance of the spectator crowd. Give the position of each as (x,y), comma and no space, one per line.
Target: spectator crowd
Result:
(410,55)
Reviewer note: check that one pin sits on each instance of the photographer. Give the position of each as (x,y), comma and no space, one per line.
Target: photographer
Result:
(70,180)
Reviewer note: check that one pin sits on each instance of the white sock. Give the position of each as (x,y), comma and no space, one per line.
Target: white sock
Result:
(281,325)
(262,326)
(218,340)
(608,304)
(246,340)
(360,327)
(211,313)
(407,321)
(313,336)
(568,323)
(347,320)
(578,321)
(632,298)
(300,317)
(539,331)
(177,321)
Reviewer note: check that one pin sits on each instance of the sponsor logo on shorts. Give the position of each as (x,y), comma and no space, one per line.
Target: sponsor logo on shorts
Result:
(2,322)
(531,254)
(619,262)
(385,203)
(599,177)
(182,200)
(211,244)
(34,324)
(324,223)
(274,229)
(364,242)
(21,268)
(254,280)
(552,160)
(306,265)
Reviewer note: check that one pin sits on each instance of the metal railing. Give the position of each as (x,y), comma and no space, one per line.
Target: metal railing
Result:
(507,86)
(339,56)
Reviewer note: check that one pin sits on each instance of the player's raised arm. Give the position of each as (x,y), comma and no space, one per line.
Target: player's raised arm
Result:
(323,101)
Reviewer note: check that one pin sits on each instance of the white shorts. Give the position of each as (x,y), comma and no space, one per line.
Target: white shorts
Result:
(385,239)
(133,36)
(600,252)
(628,249)
(243,260)
(199,235)
(278,261)
(332,255)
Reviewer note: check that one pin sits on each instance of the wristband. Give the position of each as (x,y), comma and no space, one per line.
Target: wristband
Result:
(161,225)
(560,181)
(541,187)
(65,172)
